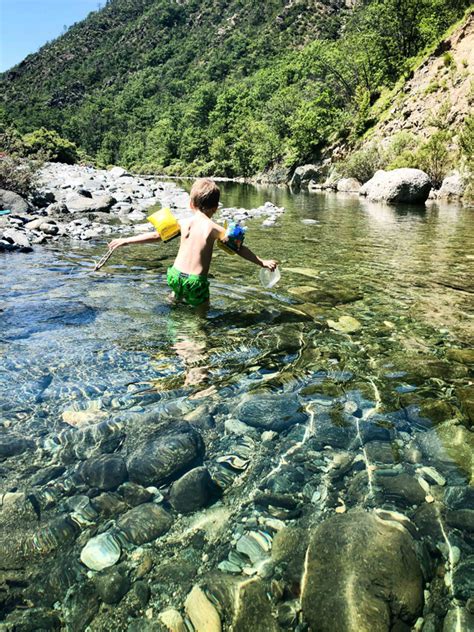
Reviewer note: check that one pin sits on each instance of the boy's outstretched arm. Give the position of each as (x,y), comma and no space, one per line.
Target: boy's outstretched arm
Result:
(248,255)
(137,239)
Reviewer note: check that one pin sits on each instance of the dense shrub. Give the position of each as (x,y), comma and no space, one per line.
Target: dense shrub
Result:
(404,150)
(435,158)
(18,174)
(466,142)
(362,164)
(49,145)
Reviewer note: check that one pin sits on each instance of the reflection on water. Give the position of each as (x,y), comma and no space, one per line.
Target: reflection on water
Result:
(391,388)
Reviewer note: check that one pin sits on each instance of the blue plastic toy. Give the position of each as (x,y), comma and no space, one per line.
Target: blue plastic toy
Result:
(233,238)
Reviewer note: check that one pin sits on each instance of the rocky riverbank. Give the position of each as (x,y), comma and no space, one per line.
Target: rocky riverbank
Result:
(82,203)
(396,186)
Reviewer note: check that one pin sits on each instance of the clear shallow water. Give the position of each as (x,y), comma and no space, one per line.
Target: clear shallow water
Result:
(73,336)
(109,343)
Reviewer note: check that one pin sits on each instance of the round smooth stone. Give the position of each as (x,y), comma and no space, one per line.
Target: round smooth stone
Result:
(101,552)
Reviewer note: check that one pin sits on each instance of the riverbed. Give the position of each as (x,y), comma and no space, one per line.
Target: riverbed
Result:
(345,390)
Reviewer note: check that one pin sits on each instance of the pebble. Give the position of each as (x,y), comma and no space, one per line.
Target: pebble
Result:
(101,552)
(145,565)
(144,523)
(111,585)
(192,491)
(173,620)
(80,418)
(202,612)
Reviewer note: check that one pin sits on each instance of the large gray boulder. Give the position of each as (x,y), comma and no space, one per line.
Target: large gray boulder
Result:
(118,172)
(303,175)
(348,185)
(398,185)
(452,187)
(16,237)
(361,574)
(82,204)
(13,202)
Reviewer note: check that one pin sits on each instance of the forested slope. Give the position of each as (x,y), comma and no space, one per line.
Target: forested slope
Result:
(228,88)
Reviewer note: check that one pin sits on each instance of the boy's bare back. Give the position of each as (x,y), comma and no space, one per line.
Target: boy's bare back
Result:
(188,276)
(198,235)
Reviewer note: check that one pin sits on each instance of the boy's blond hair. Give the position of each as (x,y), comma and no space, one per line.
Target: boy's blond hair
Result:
(205,194)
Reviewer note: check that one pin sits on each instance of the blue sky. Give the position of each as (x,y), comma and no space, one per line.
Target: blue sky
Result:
(25,25)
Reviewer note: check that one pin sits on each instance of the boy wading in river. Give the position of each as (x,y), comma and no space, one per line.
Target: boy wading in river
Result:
(188,278)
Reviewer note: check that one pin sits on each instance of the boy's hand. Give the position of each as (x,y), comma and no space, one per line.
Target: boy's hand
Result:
(271,264)
(116,243)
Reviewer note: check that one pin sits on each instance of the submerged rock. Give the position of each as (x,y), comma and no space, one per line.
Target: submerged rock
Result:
(334,295)
(33,620)
(164,456)
(104,437)
(450,442)
(111,585)
(361,573)
(109,505)
(202,612)
(18,524)
(101,552)
(53,535)
(192,491)
(172,620)
(346,324)
(105,472)
(463,579)
(245,601)
(289,551)
(79,606)
(134,494)
(271,411)
(401,488)
(466,397)
(144,523)
(458,619)
(12,446)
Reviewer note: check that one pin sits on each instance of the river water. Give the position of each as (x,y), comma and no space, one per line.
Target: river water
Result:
(391,385)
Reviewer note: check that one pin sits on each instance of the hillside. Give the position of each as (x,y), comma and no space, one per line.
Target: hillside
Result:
(438,95)
(162,84)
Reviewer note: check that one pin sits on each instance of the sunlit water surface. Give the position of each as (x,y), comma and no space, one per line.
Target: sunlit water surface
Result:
(72,339)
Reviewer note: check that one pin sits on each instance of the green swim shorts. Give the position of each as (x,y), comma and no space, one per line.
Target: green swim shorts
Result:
(192,288)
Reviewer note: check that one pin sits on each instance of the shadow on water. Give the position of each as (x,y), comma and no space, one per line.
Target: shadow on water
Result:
(34,317)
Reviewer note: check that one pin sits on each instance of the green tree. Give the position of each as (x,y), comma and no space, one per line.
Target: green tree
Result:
(51,146)
(435,158)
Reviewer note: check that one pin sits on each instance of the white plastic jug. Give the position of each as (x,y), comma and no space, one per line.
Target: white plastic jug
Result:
(269,278)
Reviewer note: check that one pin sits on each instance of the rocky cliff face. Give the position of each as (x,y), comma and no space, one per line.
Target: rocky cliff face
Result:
(439,94)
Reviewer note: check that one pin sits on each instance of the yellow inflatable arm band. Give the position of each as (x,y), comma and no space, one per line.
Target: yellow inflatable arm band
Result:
(165,223)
